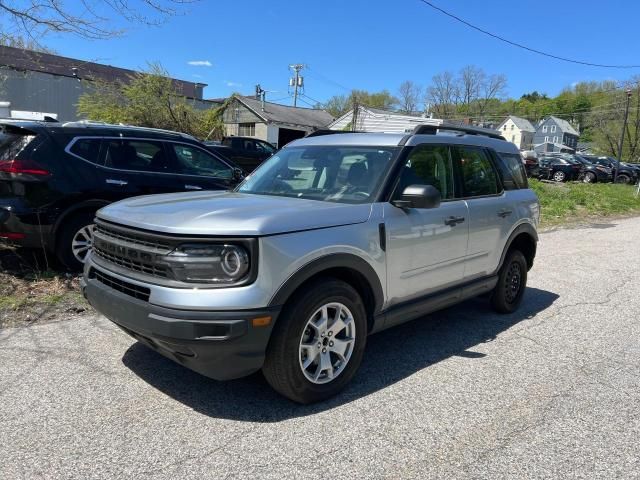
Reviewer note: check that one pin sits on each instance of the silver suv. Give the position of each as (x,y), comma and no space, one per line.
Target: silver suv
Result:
(333,238)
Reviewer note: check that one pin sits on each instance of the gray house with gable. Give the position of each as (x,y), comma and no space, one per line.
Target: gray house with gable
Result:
(554,134)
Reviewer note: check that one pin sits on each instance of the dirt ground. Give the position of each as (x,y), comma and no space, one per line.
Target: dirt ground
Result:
(33,290)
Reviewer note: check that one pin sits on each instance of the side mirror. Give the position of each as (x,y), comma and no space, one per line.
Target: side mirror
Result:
(419,196)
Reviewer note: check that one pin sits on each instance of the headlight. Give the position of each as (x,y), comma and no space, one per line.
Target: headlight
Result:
(205,263)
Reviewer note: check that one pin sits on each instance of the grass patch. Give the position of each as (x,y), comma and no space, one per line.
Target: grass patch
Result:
(562,203)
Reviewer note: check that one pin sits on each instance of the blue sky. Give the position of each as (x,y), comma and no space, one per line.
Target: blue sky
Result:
(373,44)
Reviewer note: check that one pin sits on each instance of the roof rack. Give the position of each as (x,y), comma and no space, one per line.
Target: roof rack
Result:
(93,123)
(326,131)
(435,127)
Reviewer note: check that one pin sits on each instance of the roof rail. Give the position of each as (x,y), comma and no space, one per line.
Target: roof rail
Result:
(433,128)
(326,131)
(93,123)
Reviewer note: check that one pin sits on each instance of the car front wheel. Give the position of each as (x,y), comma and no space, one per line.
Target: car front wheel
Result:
(318,342)
(559,176)
(622,178)
(589,177)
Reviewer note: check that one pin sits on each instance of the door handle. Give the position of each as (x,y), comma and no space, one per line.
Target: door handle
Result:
(120,183)
(192,187)
(504,213)
(453,221)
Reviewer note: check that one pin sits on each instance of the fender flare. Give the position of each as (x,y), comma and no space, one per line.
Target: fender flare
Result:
(526,228)
(336,260)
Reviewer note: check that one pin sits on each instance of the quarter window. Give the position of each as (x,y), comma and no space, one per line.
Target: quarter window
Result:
(478,175)
(194,161)
(513,173)
(87,148)
(428,165)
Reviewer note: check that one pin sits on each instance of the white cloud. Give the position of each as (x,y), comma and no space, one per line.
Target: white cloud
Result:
(200,63)
(232,84)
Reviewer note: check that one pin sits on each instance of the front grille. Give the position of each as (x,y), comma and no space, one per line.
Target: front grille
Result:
(141,293)
(136,266)
(133,250)
(134,239)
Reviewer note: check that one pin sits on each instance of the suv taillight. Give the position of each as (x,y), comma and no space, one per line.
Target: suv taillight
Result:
(25,167)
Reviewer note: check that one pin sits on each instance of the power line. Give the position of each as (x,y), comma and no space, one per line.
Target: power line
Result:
(327,79)
(519,45)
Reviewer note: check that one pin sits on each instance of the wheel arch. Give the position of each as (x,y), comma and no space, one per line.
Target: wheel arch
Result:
(350,268)
(525,238)
(86,206)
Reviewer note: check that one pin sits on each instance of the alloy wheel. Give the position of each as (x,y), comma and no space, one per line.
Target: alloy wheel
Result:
(558,176)
(327,343)
(82,241)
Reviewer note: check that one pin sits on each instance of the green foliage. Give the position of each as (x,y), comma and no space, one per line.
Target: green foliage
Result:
(574,202)
(149,100)
(340,104)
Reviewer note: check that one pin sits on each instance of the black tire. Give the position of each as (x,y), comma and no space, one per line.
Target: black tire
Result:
(504,299)
(623,178)
(590,177)
(282,367)
(66,234)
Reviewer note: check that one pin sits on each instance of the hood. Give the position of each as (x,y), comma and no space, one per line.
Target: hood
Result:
(230,213)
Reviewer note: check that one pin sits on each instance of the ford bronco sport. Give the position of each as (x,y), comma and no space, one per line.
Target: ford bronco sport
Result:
(333,238)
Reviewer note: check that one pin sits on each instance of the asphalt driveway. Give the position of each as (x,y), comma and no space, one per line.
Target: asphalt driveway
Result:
(551,391)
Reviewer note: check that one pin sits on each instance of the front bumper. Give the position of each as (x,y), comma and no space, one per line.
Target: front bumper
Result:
(218,344)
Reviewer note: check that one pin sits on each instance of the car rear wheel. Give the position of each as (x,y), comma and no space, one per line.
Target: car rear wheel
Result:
(512,282)
(559,176)
(318,342)
(589,177)
(623,178)
(75,240)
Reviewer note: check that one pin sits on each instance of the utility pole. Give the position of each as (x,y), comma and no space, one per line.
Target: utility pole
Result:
(297,81)
(624,129)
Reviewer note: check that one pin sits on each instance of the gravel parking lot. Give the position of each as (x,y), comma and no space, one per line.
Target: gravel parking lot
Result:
(552,391)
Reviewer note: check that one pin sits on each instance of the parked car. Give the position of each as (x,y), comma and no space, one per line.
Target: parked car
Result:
(530,160)
(625,174)
(559,169)
(336,237)
(247,152)
(590,173)
(53,178)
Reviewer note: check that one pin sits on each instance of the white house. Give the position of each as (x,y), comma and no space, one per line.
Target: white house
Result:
(375,120)
(519,131)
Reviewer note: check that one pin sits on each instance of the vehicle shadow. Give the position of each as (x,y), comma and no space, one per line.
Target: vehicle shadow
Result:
(391,356)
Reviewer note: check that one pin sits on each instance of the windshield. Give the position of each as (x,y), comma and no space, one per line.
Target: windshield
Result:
(329,173)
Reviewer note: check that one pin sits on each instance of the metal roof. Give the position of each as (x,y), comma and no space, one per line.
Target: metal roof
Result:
(29,60)
(274,112)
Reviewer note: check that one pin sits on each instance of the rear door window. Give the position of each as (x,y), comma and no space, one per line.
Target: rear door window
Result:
(87,149)
(478,175)
(138,155)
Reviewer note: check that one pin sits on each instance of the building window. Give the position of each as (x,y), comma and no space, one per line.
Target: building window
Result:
(247,129)
(505,128)
(555,139)
(553,128)
(546,139)
(513,139)
(544,129)
(512,126)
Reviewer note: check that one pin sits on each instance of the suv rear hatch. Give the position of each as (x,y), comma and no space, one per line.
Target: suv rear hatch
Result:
(17,166)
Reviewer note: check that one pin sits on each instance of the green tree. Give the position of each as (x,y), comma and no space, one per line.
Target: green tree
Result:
(148,100)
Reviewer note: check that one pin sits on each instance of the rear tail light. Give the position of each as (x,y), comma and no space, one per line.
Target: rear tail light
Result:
(12,235)
(25,167)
